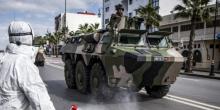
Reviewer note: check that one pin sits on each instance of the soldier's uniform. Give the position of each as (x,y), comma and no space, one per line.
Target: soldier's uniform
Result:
(117,21)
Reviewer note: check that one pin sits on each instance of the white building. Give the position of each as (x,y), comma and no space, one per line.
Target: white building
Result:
(73,20)
(203,42)
(129,5)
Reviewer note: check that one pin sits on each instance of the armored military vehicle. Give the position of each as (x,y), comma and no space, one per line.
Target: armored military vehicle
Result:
(131,59)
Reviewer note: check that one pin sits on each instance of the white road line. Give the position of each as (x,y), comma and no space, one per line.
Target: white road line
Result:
(185,101)
(189,104)
(193,101)
(189,79)
(56,66)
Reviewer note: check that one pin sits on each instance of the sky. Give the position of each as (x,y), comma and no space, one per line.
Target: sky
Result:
(40,13)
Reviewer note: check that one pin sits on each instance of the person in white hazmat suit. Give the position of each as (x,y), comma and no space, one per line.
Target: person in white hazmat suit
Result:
(21,87)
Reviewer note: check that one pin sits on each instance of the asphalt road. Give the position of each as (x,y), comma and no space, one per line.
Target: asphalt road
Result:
(188,93)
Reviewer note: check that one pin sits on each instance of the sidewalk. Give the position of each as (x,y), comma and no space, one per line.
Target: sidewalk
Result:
(206,70)
(201,74)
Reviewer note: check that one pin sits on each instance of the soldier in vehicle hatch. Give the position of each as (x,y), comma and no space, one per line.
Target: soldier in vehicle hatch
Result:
(118,20)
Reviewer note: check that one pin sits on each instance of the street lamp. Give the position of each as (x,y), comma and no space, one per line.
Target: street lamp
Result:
(65,21)
(99,13)
(213,49)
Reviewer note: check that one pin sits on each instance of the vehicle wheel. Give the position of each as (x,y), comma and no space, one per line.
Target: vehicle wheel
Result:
(69,74)
(98,83)
(158,91)
(82,77)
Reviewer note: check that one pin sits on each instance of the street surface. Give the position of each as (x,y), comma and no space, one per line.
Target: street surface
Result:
(188,93)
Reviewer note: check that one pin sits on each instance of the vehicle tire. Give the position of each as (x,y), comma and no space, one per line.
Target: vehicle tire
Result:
(98,83)
(82,77)
(69,74)
(157,91)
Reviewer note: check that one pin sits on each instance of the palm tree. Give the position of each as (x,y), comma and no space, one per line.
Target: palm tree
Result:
(88,28)
(196,10)
(42,41)
(93,27)
(58,36)
(150,15)
(84,28)
(54,39)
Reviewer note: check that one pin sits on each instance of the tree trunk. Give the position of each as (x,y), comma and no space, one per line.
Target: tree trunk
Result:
(147,27)
(56,50)
(189,61)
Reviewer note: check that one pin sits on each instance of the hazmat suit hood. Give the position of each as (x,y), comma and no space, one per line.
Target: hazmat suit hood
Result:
(1,57)
(26,50)
(21,33)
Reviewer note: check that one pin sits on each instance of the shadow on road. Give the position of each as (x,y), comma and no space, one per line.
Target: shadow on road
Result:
(59,89)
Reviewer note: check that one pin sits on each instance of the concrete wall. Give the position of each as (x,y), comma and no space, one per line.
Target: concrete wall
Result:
(73,20)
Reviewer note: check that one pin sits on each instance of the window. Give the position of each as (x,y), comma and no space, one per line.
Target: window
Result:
(130,2)
(211,24)
(217,46)
(130,14)
(199,25)
(129,38)
(197,56)
(198,45)
(184,46)
(106,9)
(211,46)
(155,3)
(166,29)
(194,45)
(106,21)
(185,27)
(175,29)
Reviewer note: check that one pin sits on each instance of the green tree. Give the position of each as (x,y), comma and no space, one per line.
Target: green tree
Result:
(93,27)
(196,10)
(150,15)
(54,39)
(83,28)
(88,28)
(42,41)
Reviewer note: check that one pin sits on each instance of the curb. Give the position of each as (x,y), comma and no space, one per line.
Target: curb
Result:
(203,76)
(217,72)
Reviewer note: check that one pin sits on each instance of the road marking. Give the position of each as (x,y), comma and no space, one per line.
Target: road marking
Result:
(189,79)
(189,102)
(193,101)
(56,66)
(185,101)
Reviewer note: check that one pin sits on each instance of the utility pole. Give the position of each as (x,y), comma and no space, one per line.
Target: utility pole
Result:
(65,21)
(213,49)
(103,16)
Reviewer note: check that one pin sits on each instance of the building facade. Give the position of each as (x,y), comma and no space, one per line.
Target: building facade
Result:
(73,20)
(129,7)
(203,42)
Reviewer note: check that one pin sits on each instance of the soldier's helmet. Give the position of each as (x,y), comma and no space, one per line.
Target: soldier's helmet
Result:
(119,7)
